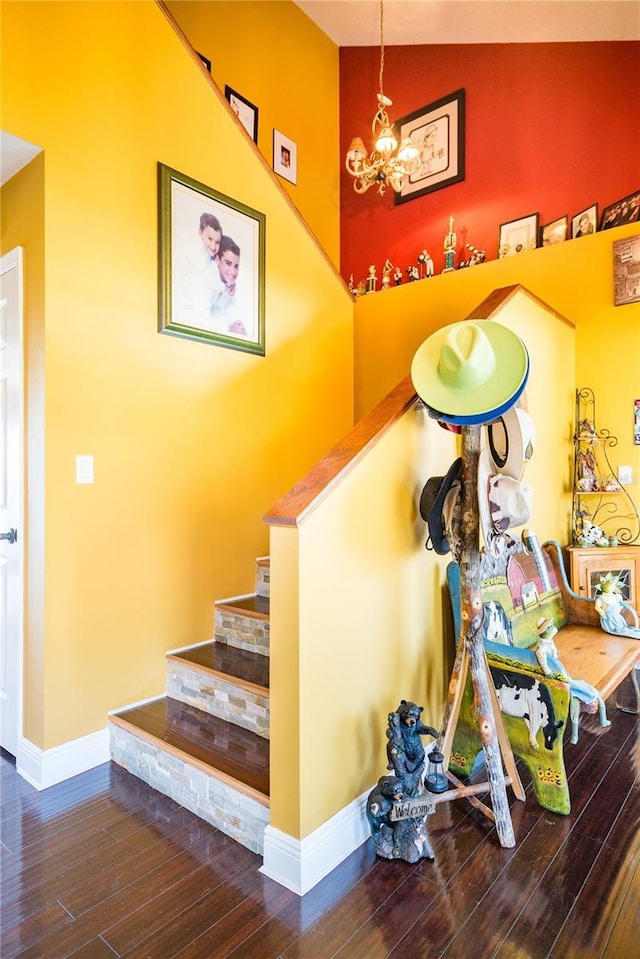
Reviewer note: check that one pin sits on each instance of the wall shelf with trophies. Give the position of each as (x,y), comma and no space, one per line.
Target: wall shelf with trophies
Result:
(599,499)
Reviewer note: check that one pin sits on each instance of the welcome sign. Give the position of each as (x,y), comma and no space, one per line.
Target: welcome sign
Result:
(412,809)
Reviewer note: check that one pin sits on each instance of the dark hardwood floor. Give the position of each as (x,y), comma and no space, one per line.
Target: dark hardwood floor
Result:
(102,866)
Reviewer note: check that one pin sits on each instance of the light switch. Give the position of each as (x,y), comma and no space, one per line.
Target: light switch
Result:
(624,475)
(84,469)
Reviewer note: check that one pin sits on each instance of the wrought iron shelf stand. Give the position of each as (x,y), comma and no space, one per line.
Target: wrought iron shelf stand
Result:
(599,498)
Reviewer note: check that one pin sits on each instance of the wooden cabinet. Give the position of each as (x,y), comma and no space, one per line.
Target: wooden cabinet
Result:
(588,565)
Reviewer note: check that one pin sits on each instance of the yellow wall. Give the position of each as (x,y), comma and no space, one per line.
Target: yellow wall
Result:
(360,614)
(574,278)
(191,442)
(277,58)
(370,624)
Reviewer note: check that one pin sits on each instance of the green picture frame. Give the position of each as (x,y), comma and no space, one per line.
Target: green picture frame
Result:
(211,257)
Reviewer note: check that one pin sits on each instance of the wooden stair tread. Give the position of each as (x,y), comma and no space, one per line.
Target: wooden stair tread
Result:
(255,605)
(228,661)
(241,756)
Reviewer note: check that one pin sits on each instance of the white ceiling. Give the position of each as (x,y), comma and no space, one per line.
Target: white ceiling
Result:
(357,22)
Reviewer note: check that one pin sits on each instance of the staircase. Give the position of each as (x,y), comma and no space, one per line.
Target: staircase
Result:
(206,742)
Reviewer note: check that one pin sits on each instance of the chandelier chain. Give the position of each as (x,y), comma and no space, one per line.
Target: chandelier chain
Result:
(381,44)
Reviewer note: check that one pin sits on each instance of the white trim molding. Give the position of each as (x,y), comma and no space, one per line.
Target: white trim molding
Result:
(299,864)
(44,768)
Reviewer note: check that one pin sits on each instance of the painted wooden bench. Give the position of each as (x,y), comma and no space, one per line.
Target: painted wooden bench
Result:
(526,583)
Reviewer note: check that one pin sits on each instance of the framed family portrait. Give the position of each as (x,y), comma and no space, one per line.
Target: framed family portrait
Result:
(245,111)
(211,252)
(585,222)
(437,131)
(518,236)
(624,211)
(554,232)
(285,157)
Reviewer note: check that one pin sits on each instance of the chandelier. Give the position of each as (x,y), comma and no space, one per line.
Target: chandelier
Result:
(386,165)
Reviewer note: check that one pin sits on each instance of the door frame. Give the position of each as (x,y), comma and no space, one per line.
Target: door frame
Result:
(13,259)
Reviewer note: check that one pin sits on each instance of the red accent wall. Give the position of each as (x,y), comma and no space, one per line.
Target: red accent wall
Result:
(550,128)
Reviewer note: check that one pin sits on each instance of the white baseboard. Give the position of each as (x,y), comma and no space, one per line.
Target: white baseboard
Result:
(43,768)
(299,864)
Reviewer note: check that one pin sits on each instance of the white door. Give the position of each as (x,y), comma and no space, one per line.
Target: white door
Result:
(11,517)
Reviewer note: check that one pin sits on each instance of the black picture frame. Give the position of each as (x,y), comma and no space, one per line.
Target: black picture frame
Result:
(623,211)
(518,236)
(210,298)
(205,60)
(554,232)
(245,110)
(438,131)
(585,223)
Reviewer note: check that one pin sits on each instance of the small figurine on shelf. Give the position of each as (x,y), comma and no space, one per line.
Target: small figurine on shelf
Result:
(449,248)
(477,256)
(608,596)
(371,280)
(426,264)
(397,276)
(386,274)
(612,485)
(587,431)
(586,472)
(412,273)
(353,290)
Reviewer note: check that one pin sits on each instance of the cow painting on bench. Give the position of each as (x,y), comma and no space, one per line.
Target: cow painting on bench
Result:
(524,697)
(495,625)
(526,584)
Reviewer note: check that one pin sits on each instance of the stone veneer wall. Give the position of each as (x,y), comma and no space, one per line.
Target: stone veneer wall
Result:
(237,705)
(233,812)
(244,632)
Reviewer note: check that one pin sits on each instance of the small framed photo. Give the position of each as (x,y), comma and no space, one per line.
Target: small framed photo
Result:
(285,157)
(437,130)
(584,223)
(211,252)
(626,271)
(205,61)
(246,112)
(518,236)
(554,232)
(624,211)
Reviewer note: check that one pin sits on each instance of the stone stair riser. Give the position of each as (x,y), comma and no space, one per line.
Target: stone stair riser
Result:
(244,632)
(219,698)
(263,579)
(231,811)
